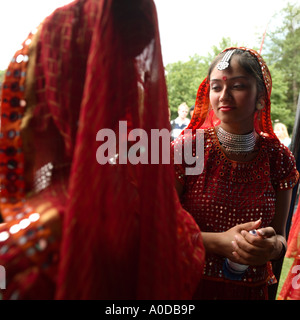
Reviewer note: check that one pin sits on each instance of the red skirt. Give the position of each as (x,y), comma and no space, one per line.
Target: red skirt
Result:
(228,290)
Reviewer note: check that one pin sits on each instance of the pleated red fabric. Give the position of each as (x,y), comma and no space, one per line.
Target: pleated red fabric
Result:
(123,241)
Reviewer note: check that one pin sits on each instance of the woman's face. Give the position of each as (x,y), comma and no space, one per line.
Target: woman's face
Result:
(280,131)
(183,112)
(233,96)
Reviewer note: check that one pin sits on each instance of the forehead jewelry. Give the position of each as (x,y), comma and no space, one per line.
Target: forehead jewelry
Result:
(224,63)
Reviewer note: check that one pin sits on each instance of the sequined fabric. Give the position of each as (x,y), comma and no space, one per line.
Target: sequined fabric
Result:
(230,192)
(12,110)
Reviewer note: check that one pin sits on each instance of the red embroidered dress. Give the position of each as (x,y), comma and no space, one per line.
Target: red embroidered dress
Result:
(228,192)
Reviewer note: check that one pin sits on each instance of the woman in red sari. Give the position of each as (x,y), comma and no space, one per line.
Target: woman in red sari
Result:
(75,229)
(246,182)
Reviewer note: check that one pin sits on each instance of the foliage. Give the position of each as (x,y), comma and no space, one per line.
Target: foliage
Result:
(283,55)
(2,73)
(183,79)
(279,111)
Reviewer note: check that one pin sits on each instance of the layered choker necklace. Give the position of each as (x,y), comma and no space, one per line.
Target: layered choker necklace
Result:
(237,143)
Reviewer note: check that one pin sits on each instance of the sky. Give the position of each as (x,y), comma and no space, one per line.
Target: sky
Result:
(186,27)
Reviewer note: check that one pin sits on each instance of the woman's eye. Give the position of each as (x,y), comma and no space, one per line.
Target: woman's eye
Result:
(215,88)
(238,86)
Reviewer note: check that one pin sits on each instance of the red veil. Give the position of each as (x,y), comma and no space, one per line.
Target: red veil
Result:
(125,234)
(121,224)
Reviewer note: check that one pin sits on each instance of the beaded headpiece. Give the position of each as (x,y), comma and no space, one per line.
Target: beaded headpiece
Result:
(224,63)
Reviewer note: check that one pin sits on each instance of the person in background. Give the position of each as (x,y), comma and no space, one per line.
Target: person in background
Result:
(281,132)
(246,182)
(192,111)
(181,122)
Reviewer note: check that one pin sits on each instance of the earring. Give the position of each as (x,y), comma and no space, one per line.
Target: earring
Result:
(259,106)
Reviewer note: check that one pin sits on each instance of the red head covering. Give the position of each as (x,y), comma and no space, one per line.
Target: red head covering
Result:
(205,117)
(125,234)
(120,230)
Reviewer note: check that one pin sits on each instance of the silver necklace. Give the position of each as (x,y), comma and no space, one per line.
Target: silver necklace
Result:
(237,143)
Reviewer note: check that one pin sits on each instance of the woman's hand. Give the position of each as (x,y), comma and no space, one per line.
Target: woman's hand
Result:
(222,243)
(257,249)
(230,236)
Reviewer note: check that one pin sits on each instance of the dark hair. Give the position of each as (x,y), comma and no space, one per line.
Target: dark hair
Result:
(249,63)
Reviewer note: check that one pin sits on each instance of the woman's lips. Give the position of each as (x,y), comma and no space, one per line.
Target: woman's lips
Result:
(226,108)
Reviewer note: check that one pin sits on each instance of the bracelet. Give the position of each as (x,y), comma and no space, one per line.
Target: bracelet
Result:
(282,252)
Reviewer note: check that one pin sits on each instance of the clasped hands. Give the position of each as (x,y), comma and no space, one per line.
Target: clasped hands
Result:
(252,249)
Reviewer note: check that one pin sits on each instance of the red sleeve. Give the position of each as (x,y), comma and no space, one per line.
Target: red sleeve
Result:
(285,174)
(178,159)
(192,250)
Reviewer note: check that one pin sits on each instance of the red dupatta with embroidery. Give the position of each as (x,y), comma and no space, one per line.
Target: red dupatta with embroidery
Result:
(124,230)
(125,234)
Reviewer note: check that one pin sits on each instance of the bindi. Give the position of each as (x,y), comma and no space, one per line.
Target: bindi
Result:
(224,78)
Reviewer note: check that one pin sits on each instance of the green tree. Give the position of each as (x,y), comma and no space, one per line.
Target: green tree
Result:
(283,55)
(279,111)
(183,79)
